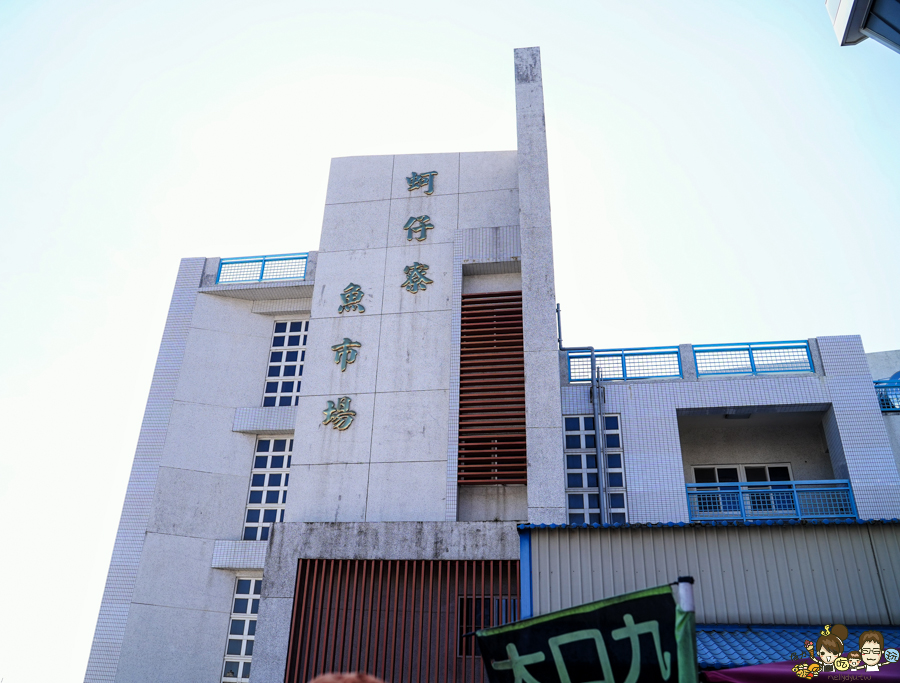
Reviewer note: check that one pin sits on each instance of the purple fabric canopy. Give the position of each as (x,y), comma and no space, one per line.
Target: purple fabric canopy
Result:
(782,672)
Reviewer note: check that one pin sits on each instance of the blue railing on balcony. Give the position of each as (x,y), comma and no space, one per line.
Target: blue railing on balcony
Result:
(262,268)
(752,359)
(888,392)
(771,500)
(650,363)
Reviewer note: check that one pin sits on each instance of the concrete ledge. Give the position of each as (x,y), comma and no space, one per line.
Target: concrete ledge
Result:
(257,291)
(281,306)
(239,555)
(268,421)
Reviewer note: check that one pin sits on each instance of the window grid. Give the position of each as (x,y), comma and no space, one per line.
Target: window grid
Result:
(285,367)
(614,457)
(268,487)
(241,630)
(582,472)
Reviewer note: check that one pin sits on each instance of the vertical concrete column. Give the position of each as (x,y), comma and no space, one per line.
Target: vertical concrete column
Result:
(543,413)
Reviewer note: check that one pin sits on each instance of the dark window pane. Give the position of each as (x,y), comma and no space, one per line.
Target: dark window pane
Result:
(291,357)
(246,670)
(277,462)
(237,627)
(593,481)
(779,474)
(297,398)
(282,516)
(576,518)
(286,478)
(573,441)
(289,457)
(588,424)
(284,497)
(262,446)
(574,481)
(287,387)
(572,424)
(268,401)
(299,372)
(611,422)
(290,370)
(279,445)
(727,474)
(261,461)
(576,501)
(234,647)
(304,340)
(613,441)
(617,518)
(250,533)
(257,587)
(615,480)
(255,497)
(595,518)
(591,461)
(269,516)
(617,500)
(614,460)
(253,516)
(243,587)
(306,326)
(278,341)
(590,441)
(264,533)
(573,461)
(231,670)
(251,628)
(705,475)
(275,357)
(274,371)
(302,356)
(280,327)
(284,401)
(756,474)
(297,326)
(254,608)
(271,496)
(248,648)
(594,500)
(294,340)
(240,606)
(258,480)
(271,387)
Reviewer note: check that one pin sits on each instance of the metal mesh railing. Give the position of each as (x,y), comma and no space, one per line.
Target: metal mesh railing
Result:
(262,268)
(752,359)
(781,500)
(888,392)
(648,363)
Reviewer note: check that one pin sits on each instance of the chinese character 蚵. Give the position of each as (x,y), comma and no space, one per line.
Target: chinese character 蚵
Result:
(423,225)
(417,180)
(339,417)
(345,352)
(352,296)
(415,277)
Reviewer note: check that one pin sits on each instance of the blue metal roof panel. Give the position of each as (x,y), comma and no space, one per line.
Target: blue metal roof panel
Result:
(759,522)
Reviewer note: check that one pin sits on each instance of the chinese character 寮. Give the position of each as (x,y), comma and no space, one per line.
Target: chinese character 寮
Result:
(415,277)
(417,180)
(345,352)
(339,417)
(352,296)
(423,225)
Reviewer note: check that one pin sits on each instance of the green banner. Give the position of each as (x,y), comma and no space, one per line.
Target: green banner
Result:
(634,638)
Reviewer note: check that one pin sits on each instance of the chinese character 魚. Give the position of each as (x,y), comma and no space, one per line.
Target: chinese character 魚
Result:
(339,417)
(351,296)
(415,277)
(345,352)
(421,228)
(417,180)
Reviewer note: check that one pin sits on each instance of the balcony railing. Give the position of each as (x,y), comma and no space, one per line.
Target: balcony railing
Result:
(262,268)
(771,500)
(650,363)
(752,359)
(888,392)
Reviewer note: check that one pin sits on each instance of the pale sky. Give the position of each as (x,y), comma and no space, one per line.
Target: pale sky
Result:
(720,172)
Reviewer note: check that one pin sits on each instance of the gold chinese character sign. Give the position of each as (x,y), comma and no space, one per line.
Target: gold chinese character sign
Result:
(345,352)
(419,224)
(416,278)
(417,180)
(351,297)
(339,417)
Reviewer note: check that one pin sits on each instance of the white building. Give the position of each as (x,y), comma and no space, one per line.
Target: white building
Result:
(348,455)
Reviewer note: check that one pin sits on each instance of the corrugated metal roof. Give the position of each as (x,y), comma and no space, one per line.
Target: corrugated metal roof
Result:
(727,646)
(758,522)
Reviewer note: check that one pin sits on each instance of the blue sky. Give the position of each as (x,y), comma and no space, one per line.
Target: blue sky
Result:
(720,172)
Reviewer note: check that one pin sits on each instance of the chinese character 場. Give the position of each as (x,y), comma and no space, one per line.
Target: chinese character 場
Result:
(345,352)
(415,277)
(423,225)
(351,296)
(417,180)
(339,417)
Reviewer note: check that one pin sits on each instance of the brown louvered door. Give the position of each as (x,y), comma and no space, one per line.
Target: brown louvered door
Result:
(491,390)
(400,620)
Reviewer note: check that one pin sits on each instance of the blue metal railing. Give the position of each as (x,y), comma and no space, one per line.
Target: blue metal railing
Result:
(771,500)
(649,363)
(752,359)
(262,268)
(888,392)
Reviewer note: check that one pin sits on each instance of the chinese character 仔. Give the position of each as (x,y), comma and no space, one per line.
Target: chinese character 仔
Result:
(423,225)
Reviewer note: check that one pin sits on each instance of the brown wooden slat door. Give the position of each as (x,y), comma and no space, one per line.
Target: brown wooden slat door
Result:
(491,390)
(400,620)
